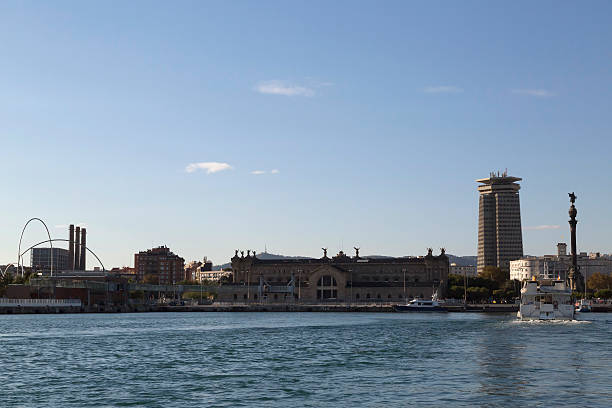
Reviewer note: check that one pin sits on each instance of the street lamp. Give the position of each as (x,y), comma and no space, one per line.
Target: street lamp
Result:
(351,299)
(464,288)
(299,285)
(404,270)
(248,286)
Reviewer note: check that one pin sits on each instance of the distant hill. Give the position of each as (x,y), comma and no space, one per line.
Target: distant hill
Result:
(262,255)
(462,260)
(459,260)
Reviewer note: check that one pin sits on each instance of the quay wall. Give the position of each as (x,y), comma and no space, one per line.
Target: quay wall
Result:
(272,307)
(279,307)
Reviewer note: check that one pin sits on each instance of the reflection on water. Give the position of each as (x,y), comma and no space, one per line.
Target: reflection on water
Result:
(303,359)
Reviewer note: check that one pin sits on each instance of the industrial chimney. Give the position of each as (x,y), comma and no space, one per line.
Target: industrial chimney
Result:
(71,247)
(77,248)
(83,242)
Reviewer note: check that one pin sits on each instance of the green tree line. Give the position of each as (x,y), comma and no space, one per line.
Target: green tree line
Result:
(491,284)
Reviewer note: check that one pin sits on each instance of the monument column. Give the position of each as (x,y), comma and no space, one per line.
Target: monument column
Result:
(575,277)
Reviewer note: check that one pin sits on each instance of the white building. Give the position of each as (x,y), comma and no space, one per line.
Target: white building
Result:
(557,266)
(530,266)
(198,270)
(213,275)
(467,270)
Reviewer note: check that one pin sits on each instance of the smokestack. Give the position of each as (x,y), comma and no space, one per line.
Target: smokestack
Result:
(83,241)
(77,248)
(71,247)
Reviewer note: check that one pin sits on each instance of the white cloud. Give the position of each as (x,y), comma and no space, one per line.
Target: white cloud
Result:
(260,172)
(540,93)
(443,89)
(542,227)
(285,88)
(209,167)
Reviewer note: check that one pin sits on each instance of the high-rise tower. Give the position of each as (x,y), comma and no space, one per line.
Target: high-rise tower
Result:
(500,238)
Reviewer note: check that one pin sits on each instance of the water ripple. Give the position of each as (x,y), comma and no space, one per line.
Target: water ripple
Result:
(302,359)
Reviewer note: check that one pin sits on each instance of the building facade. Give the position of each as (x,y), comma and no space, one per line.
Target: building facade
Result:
(213,275)
(463,270)
(557,266)
(338,279)
(500,237)
(40,259)
(124,272)
(160,266)
(199,270)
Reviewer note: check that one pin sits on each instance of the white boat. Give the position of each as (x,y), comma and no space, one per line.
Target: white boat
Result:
(584,306)
(546,300)
(420,305)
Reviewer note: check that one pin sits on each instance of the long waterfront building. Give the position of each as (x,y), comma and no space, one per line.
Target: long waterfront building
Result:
(341,278)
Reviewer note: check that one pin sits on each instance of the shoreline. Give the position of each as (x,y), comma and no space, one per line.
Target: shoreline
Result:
(232,308)
(254,308)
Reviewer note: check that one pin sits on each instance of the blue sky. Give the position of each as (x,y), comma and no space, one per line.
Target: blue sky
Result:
(366,123)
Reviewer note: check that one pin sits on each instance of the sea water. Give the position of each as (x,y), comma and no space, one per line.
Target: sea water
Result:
(303,360)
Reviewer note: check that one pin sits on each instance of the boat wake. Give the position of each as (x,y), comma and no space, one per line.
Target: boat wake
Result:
(548,322)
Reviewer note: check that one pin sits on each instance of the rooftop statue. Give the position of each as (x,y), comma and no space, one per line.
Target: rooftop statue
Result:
(572,197)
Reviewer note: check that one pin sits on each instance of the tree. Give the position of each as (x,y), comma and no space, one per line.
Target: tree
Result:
(599,281)
(477,293)
(189,282)
(495,273)
(455,292)
(5,280)
(604,294)
(479,288)
(227,279)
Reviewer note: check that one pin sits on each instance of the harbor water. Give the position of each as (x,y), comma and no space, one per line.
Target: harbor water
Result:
(303,360)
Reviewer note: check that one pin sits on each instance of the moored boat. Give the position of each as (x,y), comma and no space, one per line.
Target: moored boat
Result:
(584,306)
(420,305)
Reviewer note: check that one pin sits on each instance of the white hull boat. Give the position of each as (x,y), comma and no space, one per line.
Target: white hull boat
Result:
(546,300)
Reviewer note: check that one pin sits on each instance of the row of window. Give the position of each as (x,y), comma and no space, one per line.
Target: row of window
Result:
(364,278)
(331,294)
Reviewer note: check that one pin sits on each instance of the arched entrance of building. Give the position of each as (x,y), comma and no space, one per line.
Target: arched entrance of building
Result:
(327,288)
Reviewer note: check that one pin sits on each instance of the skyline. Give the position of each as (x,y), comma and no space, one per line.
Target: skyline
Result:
(348,125)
